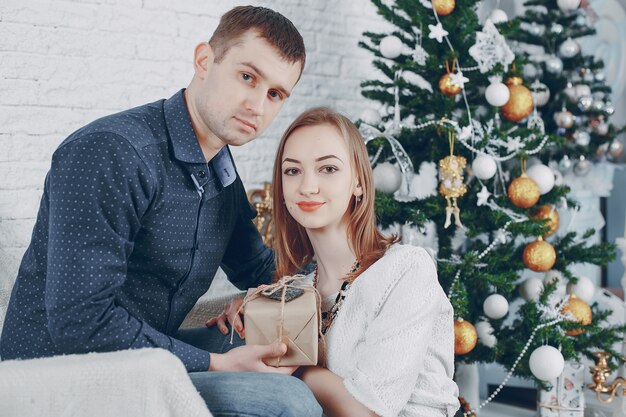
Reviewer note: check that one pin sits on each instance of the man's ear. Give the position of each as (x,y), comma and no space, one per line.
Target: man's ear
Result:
(203,59)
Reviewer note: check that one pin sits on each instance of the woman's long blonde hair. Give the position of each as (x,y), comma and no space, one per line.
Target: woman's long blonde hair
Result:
(292,247)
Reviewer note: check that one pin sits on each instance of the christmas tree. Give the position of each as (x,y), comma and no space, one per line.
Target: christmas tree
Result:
(453,99)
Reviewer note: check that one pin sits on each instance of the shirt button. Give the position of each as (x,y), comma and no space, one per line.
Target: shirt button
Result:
(202,174)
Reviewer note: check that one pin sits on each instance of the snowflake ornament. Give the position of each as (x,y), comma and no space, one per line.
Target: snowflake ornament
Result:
(419,53)
(458,79)
(483,196)
(437,32)
(490,48)
(514,144)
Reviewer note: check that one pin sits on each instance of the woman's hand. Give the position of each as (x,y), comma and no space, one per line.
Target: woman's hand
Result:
(230,313)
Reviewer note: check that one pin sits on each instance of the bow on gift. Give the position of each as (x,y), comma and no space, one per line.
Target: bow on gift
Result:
(285,290)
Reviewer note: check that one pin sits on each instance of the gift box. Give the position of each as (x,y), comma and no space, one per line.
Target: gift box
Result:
(291,316)
(566,398)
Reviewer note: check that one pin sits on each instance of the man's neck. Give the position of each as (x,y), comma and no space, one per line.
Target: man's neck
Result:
(209,144)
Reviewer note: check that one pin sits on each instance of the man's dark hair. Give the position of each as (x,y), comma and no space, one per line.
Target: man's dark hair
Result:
(270,25)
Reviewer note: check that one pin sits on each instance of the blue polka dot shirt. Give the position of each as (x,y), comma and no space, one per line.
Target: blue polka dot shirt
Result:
(132,227)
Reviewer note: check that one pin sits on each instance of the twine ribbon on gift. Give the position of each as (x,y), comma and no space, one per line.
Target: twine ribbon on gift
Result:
(282,285)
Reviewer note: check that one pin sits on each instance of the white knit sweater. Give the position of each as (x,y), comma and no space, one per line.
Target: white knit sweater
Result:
(392,341)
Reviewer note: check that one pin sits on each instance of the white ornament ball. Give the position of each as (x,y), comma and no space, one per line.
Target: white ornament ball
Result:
(555,276)
(543,176)
(531,289)
(387,178)
(485,333)
(582,167)
(554,65)
(371,117)
(569,49)
(391,47)
(570,93)
(495,306)
(582,90)
(484,166)
(583,289)
(602,128)
(546,363)
(530,71)
(568,5)
(497,94)
(541,93)
(498,16)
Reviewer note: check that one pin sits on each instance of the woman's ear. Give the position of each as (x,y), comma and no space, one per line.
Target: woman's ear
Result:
(358,191)
(203,59)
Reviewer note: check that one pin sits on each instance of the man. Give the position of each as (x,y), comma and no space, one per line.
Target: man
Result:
(140,208)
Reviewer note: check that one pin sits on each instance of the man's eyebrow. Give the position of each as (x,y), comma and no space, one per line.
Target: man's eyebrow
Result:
(321,158)
(263,75)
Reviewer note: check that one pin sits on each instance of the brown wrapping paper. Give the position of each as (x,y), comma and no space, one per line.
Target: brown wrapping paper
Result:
(300,328)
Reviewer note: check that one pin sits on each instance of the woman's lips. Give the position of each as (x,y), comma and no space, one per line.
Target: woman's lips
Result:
(309,205)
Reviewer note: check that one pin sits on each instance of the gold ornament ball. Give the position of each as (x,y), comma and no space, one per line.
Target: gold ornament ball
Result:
(580,310)
(523,192)
(539,255)
(520,102)
(444,7)
(447,87)
(465,337)
(548,213)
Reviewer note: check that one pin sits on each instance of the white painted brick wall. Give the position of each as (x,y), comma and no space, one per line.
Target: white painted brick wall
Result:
(65,63)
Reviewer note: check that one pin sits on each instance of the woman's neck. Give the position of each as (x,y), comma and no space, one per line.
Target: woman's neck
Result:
(335,258)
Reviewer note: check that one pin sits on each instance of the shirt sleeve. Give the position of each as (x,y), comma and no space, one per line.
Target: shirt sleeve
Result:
(99,189)
(396,343)
(247,262)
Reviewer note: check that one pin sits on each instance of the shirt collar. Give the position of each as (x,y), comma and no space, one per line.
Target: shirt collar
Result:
(185,143)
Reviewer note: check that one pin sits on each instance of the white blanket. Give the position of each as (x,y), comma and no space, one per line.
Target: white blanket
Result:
(133,383)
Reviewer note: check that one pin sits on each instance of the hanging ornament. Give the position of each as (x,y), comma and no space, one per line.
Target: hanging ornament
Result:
(371,117)
(535,29)
(390,47)
(556,28)
(584,103)
(530,71)
(583,289)
(443,7)
(565,164)
(497,93)
(484,166)
(546,363)
(484,330)
(523,191)
(452,186)
(598,105)
(556,277)
(498,16)
(582,166)
(581,137)
(616,148)
(569,49)
(568,5)
(554,65)
(495,306)
(437,32)
(581,312)
(465,337)
(581,90)
(387,178)
(531,289)
(599,75)
(490,48)
(539,256)
(419,53)
(543,177)
(541,93)
(599,126)
(564,118)
(520,103)
(446,83)
(550,216)
(609,108)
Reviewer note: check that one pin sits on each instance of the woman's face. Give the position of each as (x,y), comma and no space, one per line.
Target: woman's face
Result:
(318,179)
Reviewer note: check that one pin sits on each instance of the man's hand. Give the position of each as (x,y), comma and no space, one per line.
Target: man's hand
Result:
(230,313)
(251,358)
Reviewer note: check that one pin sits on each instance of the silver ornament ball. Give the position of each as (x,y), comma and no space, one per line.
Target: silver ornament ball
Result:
(554,65)
(616,148)
(569,49)
(582,137)
(582,167)
(609,108)
(565,164)
(584,103)
(556,28)
(564,119)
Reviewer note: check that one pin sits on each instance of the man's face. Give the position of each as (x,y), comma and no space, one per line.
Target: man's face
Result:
(237,98)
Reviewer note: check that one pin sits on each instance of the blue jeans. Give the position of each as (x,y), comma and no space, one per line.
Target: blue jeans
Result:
(229,394)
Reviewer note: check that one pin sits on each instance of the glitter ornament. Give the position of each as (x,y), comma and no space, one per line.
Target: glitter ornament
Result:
(548,214)
(523,191)
(543,177)
(452,186)
(546,363)
(443,7)
(446,83)
(520,103)
(465,337)
(539,256)
(581,312)
(390,47)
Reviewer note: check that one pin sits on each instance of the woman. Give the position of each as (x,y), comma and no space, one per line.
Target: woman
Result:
(387,322)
